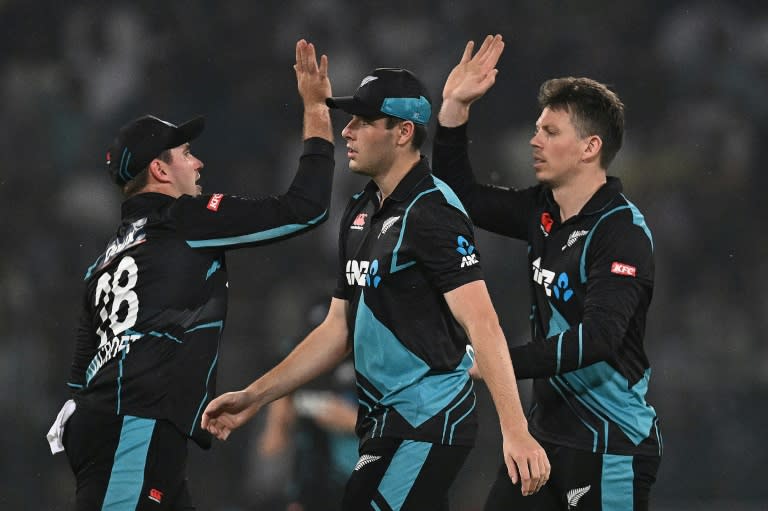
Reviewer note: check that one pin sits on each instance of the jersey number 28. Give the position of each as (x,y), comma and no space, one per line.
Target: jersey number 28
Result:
(118,303)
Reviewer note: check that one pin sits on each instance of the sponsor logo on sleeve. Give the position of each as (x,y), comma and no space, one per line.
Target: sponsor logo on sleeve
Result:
(467,251)
(623,269)
(215,201)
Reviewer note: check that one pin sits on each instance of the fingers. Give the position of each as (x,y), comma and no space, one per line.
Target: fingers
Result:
(487,42)
(212,425)
(214,413)
(468,52)
(490,51)
(324,65)
(532,471)
(306,59)
(546,471)
(526,484)
(513,473)
(215,427)
(300,45)
(222,433)
(487,56)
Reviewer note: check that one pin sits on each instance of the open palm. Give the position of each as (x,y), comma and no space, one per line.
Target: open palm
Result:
(474,75)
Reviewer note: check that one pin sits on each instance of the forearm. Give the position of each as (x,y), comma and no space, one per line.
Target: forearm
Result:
(493,362)
(471,306)
(317,122)
(323,349)
(310,191)
(450,160)
(608,309)
(501,210)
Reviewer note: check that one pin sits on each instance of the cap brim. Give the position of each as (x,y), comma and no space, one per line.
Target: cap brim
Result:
(187,131)
(354,106)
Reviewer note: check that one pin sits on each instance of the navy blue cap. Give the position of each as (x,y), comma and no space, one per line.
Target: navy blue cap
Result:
(142,140)
(388,91)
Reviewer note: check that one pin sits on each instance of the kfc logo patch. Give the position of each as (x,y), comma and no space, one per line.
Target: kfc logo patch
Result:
(156,495)
(623,269)
(546,223)
(359,223)
(215,201)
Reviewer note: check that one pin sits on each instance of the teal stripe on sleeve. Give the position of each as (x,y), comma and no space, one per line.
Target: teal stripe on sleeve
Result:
(277,232)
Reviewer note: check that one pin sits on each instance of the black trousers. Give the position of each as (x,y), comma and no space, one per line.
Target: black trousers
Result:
(403,475)
(583,481)
(125,463)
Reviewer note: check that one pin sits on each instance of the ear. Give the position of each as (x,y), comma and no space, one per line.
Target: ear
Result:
(405,132)
(594,145)
(157,171)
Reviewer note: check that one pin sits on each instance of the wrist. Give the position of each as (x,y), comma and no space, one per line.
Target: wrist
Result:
(513,420)
(315,107)
(254,396)
(453,113)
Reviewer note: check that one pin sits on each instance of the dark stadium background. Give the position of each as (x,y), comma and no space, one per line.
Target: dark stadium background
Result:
(694,77)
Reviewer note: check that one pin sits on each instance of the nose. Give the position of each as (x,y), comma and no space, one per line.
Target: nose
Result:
(534,142)
(346,133)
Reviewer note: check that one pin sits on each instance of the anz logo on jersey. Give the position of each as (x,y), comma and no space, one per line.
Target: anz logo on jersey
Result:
(363,273)
(545,278)
(467,251)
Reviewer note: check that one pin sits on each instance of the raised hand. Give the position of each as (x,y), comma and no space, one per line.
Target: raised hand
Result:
(469,80)
(228,412)
(311,78)
(474,75)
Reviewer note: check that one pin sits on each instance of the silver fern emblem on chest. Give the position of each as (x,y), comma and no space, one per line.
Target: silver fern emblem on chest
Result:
(573,238)
(389,222)
(575,495)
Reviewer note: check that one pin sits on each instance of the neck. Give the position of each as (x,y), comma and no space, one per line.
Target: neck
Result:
(573,195)
(388,180)
(164,188)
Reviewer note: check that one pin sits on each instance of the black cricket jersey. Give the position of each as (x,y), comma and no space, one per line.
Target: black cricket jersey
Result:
(411,356)
(155,303)
(591,282)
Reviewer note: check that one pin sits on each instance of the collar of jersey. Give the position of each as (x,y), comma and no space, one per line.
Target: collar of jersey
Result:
(598,203)
(144,202)
(409,182)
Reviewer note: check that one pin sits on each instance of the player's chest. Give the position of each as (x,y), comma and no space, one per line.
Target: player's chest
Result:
(558,260)
(374,233)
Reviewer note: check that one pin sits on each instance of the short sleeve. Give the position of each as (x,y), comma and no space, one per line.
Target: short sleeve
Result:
(441,237)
